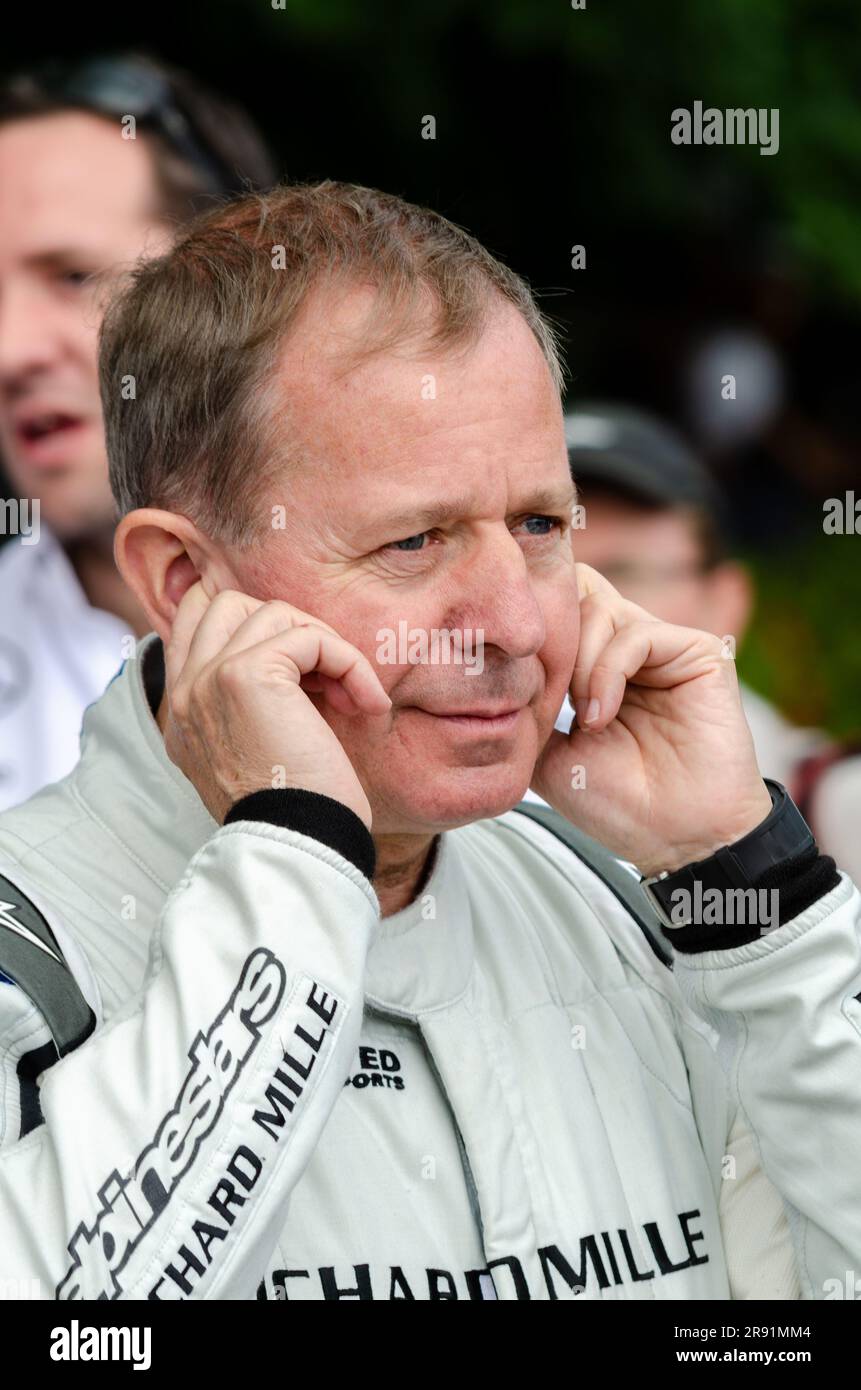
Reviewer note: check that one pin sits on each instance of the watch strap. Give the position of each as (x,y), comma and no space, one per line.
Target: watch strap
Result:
(783,836)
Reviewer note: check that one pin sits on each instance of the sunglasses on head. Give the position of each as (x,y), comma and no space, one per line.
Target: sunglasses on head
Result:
(130,87)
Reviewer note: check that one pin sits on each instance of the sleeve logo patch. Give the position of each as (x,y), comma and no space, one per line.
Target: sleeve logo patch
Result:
(130,1204)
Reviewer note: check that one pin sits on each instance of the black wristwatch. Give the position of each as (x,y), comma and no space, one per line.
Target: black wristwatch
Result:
(782,836)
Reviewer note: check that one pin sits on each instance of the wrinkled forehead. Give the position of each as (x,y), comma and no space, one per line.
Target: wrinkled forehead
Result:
(416,416)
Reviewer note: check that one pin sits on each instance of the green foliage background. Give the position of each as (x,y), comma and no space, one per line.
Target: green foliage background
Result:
(803,650)
(642,56)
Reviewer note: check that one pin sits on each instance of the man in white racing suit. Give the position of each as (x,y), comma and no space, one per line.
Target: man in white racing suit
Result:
(249,1051)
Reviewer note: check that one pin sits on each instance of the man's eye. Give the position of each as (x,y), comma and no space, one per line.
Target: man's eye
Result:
(411,542)
(545,524)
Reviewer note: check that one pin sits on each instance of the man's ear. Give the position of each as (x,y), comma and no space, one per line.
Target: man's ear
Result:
(160,555)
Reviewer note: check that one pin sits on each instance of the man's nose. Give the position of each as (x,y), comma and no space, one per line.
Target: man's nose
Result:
(29,334)
(499,594)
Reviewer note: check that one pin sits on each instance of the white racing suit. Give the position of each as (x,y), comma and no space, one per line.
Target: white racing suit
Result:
(499,1092)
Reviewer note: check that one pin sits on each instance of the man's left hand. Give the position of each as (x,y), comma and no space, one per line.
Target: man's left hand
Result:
(659,764)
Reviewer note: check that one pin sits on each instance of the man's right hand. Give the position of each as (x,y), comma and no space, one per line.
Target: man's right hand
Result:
(238,719)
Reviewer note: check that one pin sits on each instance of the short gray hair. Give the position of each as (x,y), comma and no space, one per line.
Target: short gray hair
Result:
(199,329)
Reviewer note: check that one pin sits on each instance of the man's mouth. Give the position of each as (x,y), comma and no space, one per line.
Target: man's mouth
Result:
(484,721)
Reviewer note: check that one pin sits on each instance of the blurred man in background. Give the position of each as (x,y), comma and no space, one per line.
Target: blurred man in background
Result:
(100,162)
(655,526)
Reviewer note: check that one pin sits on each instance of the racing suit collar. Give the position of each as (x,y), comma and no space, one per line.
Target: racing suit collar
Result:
(123,759)
(422,957)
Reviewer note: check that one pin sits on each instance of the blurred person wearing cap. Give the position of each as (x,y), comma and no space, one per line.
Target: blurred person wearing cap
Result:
(84,192)
(655,526)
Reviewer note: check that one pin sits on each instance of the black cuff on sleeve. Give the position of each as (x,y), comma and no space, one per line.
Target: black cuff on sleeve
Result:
(310,813)
(799,883)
